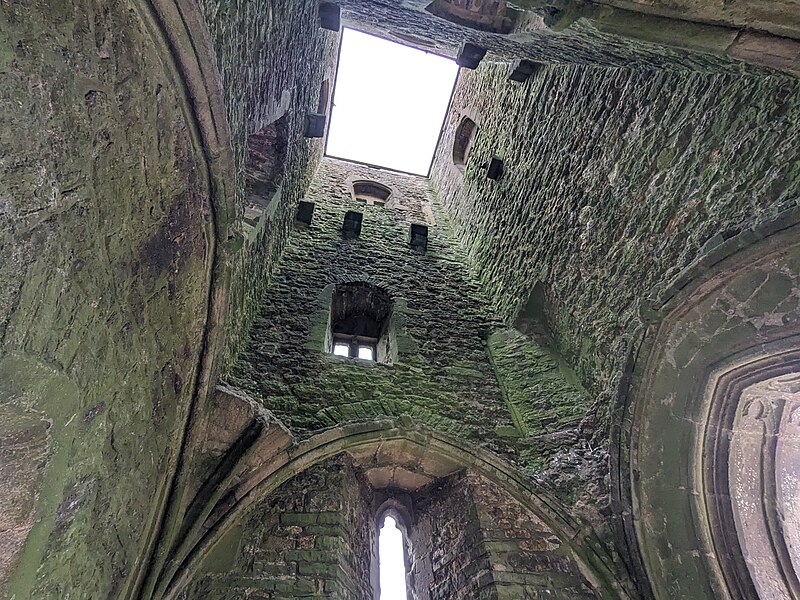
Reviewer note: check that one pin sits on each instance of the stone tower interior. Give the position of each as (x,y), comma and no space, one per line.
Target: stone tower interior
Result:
(566,361)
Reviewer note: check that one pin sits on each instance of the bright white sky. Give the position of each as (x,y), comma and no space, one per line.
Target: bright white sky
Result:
(389,104)
(392,567)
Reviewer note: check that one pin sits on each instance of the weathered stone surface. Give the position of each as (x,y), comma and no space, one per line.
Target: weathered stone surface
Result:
(607,209)
(562,32)
(450,559)
(312,537)
(627,178)
(442,374)
(527,559)
(780,17)
(24,446)
(272,57)
(103,280)
(738,329)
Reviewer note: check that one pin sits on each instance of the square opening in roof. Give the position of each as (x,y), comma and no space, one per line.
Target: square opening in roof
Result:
(389,103)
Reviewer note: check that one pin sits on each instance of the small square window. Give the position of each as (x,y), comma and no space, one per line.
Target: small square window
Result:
(341,349)
(366,352)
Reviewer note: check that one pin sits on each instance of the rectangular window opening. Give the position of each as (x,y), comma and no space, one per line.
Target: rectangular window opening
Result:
(341,349)
(389,103)
(366,353)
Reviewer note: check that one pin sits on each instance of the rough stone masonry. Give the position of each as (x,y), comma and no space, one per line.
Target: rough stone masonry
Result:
(557,403)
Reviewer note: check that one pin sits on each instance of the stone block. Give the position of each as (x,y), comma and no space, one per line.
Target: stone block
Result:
(351,227)
(470,56)
(419,237)
(522,69)
(315,125)
(330,16)
(305,212)
(768,50)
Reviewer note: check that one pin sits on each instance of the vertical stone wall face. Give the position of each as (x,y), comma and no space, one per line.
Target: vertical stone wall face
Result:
(614,182)
(442,375)
(103,281)
(451,561)
(471,540)
(528,561)
(272,57)
(577,35)
(311,538)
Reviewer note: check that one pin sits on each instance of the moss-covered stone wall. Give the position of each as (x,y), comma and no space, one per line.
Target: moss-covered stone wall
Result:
(628,35)
(527,559)
(619,181)
(615,181)
(457,369)
(272,57)
(442,375)
(469,539)
(103,283)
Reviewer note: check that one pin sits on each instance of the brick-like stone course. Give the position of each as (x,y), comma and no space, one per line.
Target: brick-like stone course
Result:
(470,540)
(450,558)
(528,560)
(311,538)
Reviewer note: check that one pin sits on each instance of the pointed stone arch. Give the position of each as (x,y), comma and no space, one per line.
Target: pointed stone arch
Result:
(688,462)
(399,442)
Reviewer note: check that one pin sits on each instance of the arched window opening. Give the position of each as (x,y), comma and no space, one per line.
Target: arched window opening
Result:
(392,560)
(360,323)
(763,464)
(324,98)
(462,144)
(371,193)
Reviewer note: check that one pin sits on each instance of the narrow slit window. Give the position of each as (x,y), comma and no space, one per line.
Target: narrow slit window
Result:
(392,561)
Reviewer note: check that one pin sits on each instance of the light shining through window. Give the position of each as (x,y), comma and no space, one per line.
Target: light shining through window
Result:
(392,564)
(389,104)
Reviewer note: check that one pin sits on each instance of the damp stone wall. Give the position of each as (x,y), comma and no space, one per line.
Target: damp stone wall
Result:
(311,538)
(272,59)
(442,375)
(103,289)
(450,559)
(528,561)
(614,182)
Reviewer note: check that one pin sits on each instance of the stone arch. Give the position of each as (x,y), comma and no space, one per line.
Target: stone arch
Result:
(399,510)
(733,327)
(395,442)
(173,153)
(371,192)
(179,30)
